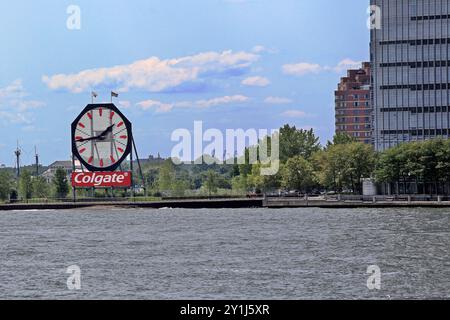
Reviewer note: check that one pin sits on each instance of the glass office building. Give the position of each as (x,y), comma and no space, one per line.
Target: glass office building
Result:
(410,63)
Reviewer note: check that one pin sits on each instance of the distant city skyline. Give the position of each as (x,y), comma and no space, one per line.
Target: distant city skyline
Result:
(231,64)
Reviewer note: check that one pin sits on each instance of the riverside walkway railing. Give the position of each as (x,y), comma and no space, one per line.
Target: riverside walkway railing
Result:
(354,200)
(388,198)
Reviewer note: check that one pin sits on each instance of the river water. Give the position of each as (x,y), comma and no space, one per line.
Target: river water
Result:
(225,254)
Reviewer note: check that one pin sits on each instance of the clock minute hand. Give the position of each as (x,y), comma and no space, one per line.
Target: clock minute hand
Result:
(88,139)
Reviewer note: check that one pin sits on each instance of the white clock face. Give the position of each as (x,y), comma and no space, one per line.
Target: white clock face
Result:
(101,137)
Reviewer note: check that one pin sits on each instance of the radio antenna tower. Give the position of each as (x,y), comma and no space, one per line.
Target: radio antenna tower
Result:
(18,152)
(37,161)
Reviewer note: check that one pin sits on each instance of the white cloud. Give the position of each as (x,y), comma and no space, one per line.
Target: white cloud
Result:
(294,114)
(304,68)
(15,118)
(27,104)
(153,104)
(277,100)
(221,100)
(258,49)
(14,90)
(162,107)
(261,49)
(30,128)
(125,104)
(347,64)
(14,105)
(256,82)
(154,74)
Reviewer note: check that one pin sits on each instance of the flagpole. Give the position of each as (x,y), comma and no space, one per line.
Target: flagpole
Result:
(93,96)
(113,94)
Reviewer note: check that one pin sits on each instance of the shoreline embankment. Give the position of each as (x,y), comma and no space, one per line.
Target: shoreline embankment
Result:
(277,203)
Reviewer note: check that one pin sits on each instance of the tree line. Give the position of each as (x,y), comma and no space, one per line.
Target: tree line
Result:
(305,166)
(308,167)
(29,186)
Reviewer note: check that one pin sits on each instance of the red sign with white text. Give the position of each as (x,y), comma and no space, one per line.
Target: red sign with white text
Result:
(101,179)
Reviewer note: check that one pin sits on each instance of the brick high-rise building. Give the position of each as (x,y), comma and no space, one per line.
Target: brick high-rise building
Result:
(353,107)
(410,57)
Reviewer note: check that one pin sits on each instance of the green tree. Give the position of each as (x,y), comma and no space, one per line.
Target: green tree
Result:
(173,179)
(297,142)
(151,176)
(342,166)
(167,176)
(443,165)
(181,184)
(341,138)
(179,187)
(239,184)
(211,182)
(255,180)
(362,159)
(298,174)
(262,182)
(326,169)
(61,184)
(5,185)
(25,185)
(246,168)
(430,151)
(235,172)
(41,188)
(401,164)
(425,164)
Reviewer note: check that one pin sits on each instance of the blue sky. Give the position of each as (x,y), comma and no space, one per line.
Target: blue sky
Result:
(230,63)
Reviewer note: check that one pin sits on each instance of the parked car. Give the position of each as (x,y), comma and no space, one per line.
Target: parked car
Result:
(293,194)
(255,194)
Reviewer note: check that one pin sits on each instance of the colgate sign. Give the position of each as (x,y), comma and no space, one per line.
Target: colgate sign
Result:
(101,179)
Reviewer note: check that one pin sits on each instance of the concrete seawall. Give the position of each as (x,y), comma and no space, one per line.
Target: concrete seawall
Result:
(230,204)
(300,203)
(186,204)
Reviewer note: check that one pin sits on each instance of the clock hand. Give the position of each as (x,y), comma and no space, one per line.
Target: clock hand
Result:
(108,130)
(102,136)
(99,137)
(88,139)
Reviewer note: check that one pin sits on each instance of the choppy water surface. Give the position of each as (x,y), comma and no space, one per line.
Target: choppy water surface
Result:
(225,254)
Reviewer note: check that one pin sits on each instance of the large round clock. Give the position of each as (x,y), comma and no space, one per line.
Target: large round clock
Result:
(101,137)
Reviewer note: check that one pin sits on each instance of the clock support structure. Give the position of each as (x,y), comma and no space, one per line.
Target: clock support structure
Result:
(132,171)
(139,168)
(88,167)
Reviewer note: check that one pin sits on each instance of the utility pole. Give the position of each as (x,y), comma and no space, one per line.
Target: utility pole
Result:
(18,152)
(37,161)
